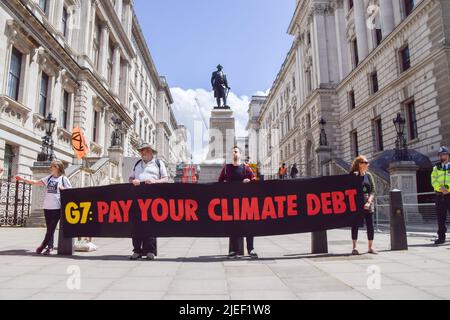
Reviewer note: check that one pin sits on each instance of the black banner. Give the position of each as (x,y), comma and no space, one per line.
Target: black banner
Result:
(213,210)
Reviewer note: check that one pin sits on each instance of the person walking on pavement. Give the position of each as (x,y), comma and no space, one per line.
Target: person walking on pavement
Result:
(148,170)
(294,171)
(282,172)
(54,184)
(238,172)
(440,180)
(360,168)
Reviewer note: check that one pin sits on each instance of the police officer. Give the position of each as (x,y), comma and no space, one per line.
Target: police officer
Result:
(440,180)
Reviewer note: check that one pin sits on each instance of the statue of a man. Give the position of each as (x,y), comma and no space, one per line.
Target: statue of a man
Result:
(220,86)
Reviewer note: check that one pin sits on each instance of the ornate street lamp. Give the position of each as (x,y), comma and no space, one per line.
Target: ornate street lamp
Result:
(47,152)
(323,135)
(401,150)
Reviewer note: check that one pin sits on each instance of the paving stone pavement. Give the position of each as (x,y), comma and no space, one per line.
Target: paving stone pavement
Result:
(198,269)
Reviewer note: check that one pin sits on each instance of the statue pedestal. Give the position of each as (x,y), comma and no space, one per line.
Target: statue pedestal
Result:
(116,155)
(37,220)
(222,138)
(404,178)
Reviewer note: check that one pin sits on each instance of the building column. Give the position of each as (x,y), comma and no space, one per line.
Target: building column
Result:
(320,43)
(128,19)
(397,9)
(341,40)
(58,12)
(125,85)
(361,29)
(387,17)
(119,6)
(116,69)
(104,44)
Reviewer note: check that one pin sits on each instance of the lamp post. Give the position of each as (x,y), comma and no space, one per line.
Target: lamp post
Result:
(47,152)
(323,135)
(401,150)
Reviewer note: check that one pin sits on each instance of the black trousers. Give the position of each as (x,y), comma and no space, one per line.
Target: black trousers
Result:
(368,217)
(51,220)
(144,246)
(442,208)
(234,244)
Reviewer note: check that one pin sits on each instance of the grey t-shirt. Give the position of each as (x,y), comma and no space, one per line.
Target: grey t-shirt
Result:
(150,170)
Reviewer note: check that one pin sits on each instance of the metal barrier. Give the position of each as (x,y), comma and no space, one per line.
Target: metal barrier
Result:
(15,203)
(419,209)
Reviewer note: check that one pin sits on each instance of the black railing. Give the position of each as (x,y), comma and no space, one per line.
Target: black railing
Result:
(15,203)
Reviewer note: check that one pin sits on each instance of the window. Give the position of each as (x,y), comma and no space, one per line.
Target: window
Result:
(96,44)
(355,55)
(405,59)
(14,74)
(411,120)
(308,38)
(351,100)
(110,63)
(378,131)
(354,143)
(95,129)
(65,110)
(350,4)
(9,162)
(65,20)
(378,37)
(409,6)
(308,121)
(43,94)
(43,5)
(374,82)
(308,81)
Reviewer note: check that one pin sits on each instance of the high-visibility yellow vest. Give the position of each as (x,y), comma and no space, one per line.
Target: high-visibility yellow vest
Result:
(440,177)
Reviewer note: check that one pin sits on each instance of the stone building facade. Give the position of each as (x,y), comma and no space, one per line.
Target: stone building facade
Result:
(87,63)
(356,64)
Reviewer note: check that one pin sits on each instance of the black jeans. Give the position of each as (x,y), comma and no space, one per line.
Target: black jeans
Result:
(51,220)
(442,207)
(144,246)
(234,244)
(368,217)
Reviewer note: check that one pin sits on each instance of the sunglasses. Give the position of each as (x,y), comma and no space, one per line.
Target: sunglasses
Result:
(365,162)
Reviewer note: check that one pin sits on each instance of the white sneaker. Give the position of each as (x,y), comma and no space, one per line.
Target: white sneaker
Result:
(151,256)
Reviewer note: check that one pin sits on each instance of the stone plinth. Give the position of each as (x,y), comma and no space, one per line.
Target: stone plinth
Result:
(222,138)
(222,135)
(36,219)
(404,178)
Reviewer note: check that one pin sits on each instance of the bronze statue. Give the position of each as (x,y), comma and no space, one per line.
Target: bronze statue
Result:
(220,86)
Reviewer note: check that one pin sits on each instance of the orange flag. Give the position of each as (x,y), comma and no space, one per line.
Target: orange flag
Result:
(79,144)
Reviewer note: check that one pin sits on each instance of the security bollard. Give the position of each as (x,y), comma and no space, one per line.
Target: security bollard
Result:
(65,245)
(399,240)
(319,242)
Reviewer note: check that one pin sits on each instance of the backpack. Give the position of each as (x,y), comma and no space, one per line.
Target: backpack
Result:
(158,163)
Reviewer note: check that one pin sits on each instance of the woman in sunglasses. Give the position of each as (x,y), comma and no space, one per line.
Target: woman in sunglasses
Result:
(360,167)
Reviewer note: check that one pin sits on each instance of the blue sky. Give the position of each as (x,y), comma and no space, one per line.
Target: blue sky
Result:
(188,38)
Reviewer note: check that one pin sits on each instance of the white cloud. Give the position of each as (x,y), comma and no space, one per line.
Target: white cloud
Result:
(188,113)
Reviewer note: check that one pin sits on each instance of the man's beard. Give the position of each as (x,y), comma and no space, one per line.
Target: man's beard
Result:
(236,158)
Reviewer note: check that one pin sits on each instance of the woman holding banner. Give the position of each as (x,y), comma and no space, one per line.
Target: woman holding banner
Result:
(360,167)
(53,184)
